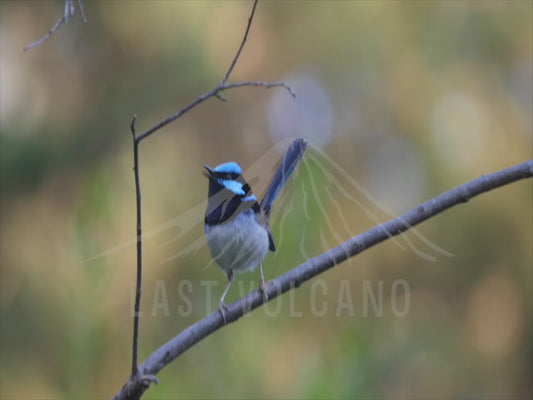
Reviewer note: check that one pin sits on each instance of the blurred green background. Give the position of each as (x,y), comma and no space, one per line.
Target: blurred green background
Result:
(400,101)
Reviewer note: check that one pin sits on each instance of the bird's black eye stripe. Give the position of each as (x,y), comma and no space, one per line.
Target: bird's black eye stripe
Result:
(227,175)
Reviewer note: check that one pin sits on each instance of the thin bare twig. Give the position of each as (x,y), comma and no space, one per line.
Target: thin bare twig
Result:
(222,86)
(82,12)
(245,37)
(260,83)
(139,229)
(317,265)
(70,9)
(136,375)
(212,93)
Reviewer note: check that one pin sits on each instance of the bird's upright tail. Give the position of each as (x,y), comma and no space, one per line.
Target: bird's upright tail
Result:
(292,157)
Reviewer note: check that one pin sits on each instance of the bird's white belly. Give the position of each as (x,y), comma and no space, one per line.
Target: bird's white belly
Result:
(239,245)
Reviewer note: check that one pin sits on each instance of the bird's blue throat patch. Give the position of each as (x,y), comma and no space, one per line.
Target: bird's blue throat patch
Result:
(234,186)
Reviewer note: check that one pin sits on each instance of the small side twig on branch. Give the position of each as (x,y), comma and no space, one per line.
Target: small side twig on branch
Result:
(141,378)
(70,9)
(317,265)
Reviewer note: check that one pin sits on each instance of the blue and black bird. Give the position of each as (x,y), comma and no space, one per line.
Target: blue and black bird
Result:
(236,224)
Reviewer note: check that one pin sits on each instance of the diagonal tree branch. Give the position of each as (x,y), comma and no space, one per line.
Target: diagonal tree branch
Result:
(292,279)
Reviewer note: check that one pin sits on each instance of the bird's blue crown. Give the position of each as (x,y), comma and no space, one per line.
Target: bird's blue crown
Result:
(229,167)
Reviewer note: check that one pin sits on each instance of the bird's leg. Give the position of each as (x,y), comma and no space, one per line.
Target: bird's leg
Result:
(262,285)
(222,307)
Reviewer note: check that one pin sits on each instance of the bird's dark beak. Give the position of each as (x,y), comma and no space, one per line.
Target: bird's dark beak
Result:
(208,171)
